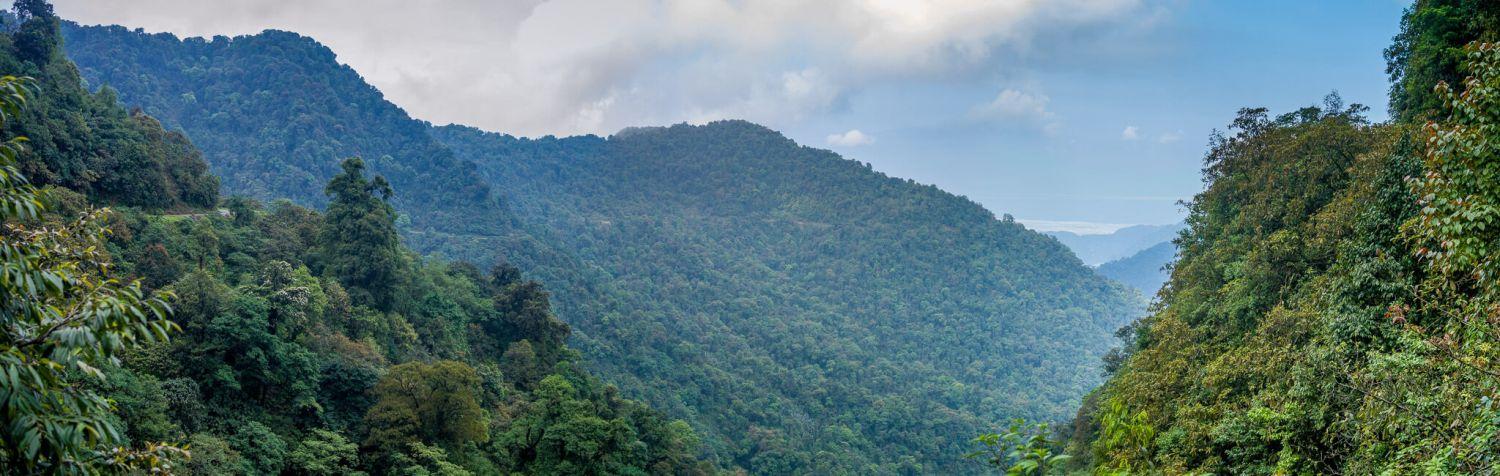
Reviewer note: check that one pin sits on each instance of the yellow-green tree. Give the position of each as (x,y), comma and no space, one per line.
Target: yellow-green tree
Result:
(418,402)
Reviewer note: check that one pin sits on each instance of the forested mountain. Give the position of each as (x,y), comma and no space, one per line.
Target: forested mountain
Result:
(882,313)
(1145,271)
(1333,309)
(1096,249)
(262,340)
(275,113)
(88,142)
(804,313)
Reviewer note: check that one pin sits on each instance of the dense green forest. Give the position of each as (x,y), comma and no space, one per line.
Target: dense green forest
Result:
(262,339)
(866,303)
(1334,304)
(802,312)
(274,113)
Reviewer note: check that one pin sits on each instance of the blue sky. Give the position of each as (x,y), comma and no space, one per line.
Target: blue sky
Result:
(1067,114)
(1187,78)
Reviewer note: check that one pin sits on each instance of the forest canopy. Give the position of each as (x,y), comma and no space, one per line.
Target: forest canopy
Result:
(176,337)
(1332,309)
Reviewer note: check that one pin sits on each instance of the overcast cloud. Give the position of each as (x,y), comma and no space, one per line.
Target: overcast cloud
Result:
(535,67)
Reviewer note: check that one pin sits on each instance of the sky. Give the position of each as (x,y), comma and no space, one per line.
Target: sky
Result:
(1079,115)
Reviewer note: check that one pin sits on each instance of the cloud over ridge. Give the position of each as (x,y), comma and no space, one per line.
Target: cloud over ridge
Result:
(536,67)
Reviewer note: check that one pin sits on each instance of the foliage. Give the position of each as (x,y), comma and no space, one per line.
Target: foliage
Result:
(287,339)
(1230,373)
(324,453)
(1022,449)
(796,303)
(276,360)
(360,247)
(1125,439)
(264,451)
(275,113)
(417,402)
(1333,316)
(65,319)
(88,142)
(1451,334)
(1430,50)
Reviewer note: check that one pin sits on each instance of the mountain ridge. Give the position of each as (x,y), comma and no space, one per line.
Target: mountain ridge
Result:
(786,301)
(1097,249)
(1146,270)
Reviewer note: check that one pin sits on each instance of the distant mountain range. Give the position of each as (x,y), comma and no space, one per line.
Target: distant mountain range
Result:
(1145,271)
(1097,249)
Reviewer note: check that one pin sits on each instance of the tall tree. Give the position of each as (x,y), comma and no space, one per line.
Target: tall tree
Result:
(1430,48)
(358,242)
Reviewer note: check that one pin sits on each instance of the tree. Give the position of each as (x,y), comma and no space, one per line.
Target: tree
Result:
(1430,49)
(212,455)
(424,460)
(1023,449)
(1453,321)
(324,453)
(1460,193)
(63,318)
(36,39)
(558,432)
(524,313)
(520,364)
(264,451)
(421,402)
(358,243)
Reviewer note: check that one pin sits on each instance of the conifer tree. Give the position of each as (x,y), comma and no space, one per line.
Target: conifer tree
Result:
(358,242)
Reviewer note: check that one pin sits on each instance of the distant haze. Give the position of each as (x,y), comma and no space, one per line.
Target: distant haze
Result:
(1096,249)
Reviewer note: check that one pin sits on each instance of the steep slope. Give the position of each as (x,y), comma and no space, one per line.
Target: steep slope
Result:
(1334,307)
(846,300)
(88,142)
(274,114)
(275,365)
(804,313)
(1145,271)
(1096,249)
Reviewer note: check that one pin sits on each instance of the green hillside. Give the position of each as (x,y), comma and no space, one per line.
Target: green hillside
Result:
(1145,271)
(822,288)
(165,336)
(804,313)
(275,113)
(1333,309)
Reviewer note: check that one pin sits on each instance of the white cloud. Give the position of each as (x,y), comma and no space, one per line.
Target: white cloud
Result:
(1169,137)
(570,66)
(1015,104)
(1130,133)
(1020,107)
(852,138)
